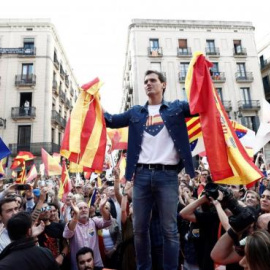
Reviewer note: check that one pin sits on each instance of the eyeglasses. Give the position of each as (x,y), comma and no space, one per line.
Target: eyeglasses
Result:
(204,174)
(267,197)
(46,208)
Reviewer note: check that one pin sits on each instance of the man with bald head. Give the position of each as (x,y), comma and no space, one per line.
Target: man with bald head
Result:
(263,222)
(82,230)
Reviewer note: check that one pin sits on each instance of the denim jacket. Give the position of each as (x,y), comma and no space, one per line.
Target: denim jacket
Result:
(173,115)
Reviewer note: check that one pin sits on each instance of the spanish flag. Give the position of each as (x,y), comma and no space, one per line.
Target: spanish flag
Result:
(229,162)
(21,158)
(32,174)
(84,140)
(51,165)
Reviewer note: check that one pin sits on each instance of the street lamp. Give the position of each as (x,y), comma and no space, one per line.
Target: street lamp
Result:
(3,122)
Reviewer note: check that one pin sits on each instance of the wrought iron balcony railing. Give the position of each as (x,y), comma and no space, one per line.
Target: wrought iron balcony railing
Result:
(218,77)
(155,52)
(34,148)
(227,105)
(182,52)
(62,96)
(55,88)
(244,76)
(212,51)
(19,51)
(25,80)
(182,76)
(239,51)
(58,119)
(56,63)
(249,105)
(23,113)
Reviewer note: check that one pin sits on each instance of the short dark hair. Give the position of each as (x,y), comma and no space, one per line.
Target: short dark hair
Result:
(6,200)
(83,251)
(160,75)
(18,225)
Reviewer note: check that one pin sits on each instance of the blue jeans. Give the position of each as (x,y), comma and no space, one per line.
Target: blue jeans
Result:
(161,187)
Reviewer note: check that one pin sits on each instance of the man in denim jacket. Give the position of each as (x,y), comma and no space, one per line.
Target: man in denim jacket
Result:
(158,148)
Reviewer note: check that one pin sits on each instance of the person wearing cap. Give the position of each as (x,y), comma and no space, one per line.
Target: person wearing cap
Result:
(158,149)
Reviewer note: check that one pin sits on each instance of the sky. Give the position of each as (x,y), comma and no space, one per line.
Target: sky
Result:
(94,33)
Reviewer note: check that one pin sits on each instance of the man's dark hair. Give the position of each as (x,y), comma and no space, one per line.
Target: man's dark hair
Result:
(83,251)
(18,226)
(6,200)
(161,77)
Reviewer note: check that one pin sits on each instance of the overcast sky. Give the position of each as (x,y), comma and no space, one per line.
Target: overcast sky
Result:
(94,33)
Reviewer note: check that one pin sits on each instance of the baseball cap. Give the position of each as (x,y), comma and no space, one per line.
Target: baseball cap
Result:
(36,192)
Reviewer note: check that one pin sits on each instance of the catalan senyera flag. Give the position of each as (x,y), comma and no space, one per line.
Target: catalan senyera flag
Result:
(52,167)
(229,162)
(21,158)
(84,140)
(65,185)
(22,174)
(32,174)
(119,138)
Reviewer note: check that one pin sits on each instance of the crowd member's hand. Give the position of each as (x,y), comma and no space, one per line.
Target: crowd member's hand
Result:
(75,208)
(109,253)
(43,194)
(103,200)
(59,259)
(37,229)
(218,199)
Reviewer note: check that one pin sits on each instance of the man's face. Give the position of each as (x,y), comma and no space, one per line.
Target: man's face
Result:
(265,201)
(8,211)
(86,262)
(235,191)
(83,211)
(153,86)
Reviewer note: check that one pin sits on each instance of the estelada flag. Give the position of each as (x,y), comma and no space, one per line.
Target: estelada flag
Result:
(51,165)
(32,174)
(21,158)
(84,140)
(119,138)
(229,162)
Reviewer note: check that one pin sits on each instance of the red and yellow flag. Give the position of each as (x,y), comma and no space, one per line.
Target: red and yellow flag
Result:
(65,185)
(119,138)
(51,165)
(122,168)
(32,174)
(22,175)
(20,158)
(84,140)
(229,162)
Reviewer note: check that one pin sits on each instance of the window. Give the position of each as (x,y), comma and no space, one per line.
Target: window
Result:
(210,46)
(237,46)
(182,47)
(241,70)
(154,44)
(184,94)
(262,61)
(266,84)
(27,72)
(29,45)
(251,122)
(24,138)
(59,138)
(53,131)
(183,69)
(220,94)
(246,97)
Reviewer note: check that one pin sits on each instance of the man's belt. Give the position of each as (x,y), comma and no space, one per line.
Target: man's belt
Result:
(158,167)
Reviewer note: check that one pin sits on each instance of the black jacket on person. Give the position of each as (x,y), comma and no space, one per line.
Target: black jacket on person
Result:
(25,255)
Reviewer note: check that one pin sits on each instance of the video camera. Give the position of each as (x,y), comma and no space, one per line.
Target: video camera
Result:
(242,216)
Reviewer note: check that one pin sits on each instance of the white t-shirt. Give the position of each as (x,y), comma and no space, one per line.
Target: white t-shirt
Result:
(157,145)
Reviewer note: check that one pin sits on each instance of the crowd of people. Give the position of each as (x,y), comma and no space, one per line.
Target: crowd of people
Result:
(166,216)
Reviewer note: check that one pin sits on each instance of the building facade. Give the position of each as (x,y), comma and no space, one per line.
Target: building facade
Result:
(38,88)
(168,45)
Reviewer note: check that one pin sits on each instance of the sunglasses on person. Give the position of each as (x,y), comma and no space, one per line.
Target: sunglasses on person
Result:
(46,208)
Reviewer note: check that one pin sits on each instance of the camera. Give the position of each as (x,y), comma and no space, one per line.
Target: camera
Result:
(242,216)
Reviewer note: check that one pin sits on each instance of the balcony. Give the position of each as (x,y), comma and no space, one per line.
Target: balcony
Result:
(212,52)
(218,77)
(265,64)
(66,81)
(249,105)
(244,77)
(25,80)
(182,76)
(62,96)
(67,103)
(240,52)
(34,148)
(23,52)
(71,91)
(227,105)
(57,119)
(23,113)
(56,63)
(55,88)
(184,52)
(155,52)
